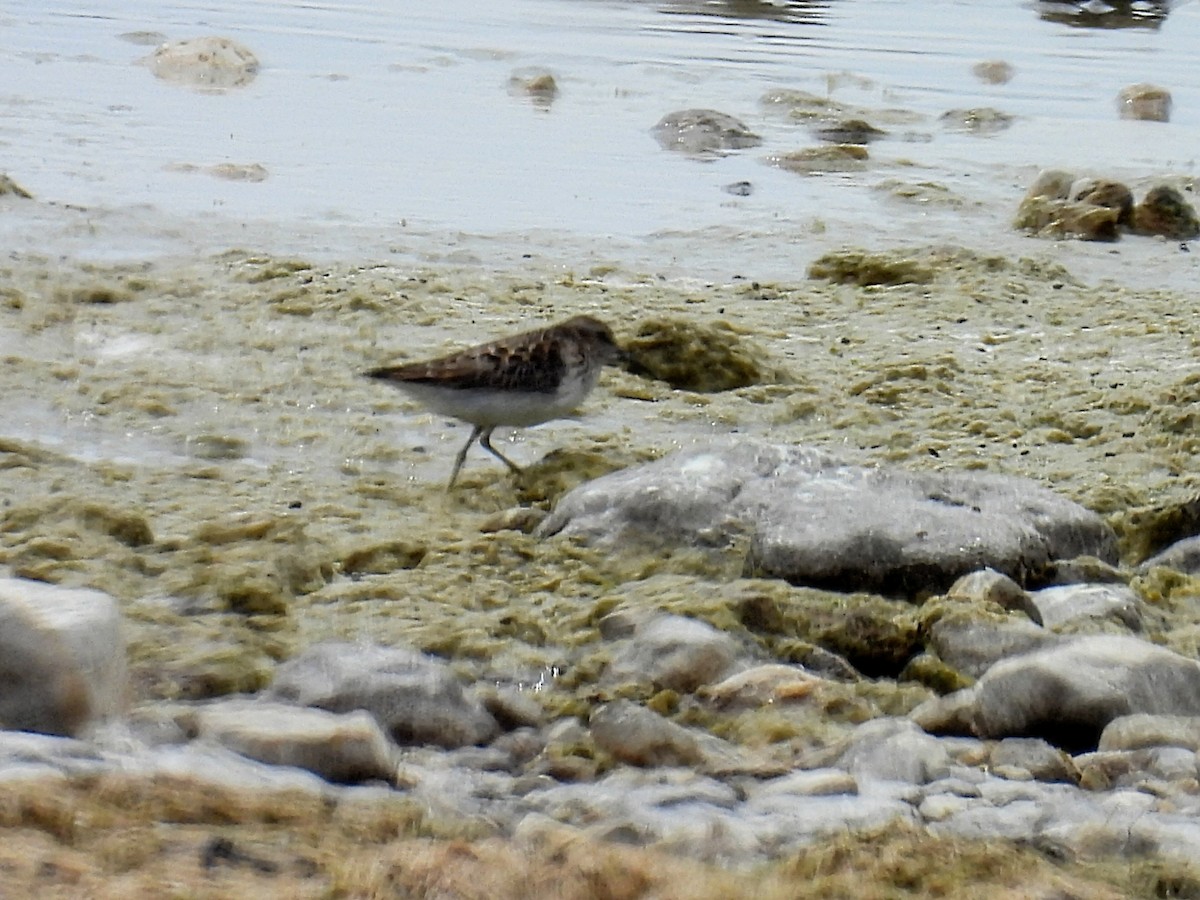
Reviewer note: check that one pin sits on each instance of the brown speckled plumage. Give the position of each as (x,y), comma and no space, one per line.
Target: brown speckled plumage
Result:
(521,380)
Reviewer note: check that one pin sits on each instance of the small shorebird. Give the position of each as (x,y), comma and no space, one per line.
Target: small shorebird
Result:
(522,380)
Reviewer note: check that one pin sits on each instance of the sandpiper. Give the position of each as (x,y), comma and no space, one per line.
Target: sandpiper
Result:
(522,380)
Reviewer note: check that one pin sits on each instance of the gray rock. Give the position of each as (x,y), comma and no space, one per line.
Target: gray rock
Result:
(642,737)
(203,764)
(973,645)
(26,755)
(1069,692)
(703,133)
(952,714)
(790,820)
(1176,836)
(990,586)
(894,750)
(340,747)
(673,652)
(812,783)
(1076,603)
(814,520)
(1182,556)
(416,698)
(1109,769)
(1142,730)
(62,658)
(1035,757)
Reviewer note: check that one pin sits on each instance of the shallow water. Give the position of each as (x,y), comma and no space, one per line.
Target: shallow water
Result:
(390,129)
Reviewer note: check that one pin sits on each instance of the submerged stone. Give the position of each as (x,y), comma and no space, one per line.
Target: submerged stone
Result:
(703,133)
(980,120)
(205,63)
(816,160)
(538,85)
(1148,102)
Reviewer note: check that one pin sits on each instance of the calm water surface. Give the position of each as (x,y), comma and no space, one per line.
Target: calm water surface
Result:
(389,127)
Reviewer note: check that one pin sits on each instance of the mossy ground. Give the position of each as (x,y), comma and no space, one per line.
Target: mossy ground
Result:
(193,437)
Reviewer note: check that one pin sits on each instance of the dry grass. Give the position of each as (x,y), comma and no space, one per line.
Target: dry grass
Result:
(122,838)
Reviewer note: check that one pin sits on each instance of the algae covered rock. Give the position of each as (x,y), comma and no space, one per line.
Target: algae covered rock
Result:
(1106,193)
(1164,211)
(863,268)
(1146,531)
(844,157)
(1052,217)
(1059,206)
(1056,206)
(706,358)
(1148,102)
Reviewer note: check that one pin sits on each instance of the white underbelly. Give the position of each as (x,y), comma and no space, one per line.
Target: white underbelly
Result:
(490,407)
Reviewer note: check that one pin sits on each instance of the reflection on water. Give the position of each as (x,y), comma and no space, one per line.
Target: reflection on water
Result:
(1100,14)
(790,12)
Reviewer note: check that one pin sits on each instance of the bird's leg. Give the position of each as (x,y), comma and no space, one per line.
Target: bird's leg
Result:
(462,454)
(485,441)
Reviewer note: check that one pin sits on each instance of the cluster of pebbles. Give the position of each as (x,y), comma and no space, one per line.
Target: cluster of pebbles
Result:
(958,652)
(1060,204)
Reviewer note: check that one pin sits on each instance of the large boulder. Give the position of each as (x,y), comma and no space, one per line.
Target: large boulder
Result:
(1069,692)
(62,658)
(804,516)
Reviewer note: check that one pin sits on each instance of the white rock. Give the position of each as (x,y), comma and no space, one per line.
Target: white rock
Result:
(894,750)
(340,747)
(673,652)
(640,736)
(1143,730)
(807,517)
(1069,692)
(416,698)
(208,63)
(62,658)
(1070,603)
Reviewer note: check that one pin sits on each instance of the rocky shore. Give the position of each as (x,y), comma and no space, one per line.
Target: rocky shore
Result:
(892,591)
